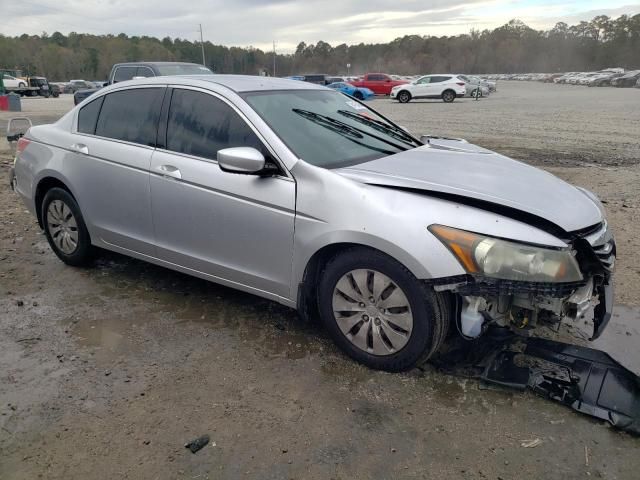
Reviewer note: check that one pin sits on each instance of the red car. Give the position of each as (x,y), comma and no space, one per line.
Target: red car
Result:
(378,83)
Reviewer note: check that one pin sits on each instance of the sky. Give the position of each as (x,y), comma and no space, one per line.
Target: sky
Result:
(287,22)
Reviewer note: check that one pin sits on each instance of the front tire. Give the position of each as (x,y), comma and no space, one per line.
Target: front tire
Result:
(65,229)
(378,313)
(448,96)
(403,96)
(358,95)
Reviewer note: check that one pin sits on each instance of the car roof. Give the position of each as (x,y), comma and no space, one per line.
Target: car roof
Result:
(151,64)
(237,83)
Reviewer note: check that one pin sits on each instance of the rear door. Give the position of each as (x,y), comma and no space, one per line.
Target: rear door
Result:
(234,227)
(110,156)
(437,85)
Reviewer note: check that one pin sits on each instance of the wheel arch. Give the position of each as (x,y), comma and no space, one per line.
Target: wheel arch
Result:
(44,185)
(306,299)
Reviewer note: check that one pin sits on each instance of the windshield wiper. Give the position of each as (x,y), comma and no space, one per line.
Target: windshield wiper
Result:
(337,124)
(340,128)
(391,130)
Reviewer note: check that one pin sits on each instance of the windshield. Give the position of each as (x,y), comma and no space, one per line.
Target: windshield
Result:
(183,70)
(329,129)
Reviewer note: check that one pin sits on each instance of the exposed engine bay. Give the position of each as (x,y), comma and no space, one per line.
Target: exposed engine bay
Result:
(521,306)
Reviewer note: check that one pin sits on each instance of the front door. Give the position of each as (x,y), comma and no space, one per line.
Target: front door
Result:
(421,90)
(235,227)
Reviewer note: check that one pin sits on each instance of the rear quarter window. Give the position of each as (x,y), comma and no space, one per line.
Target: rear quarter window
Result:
(88,116)
(131,115)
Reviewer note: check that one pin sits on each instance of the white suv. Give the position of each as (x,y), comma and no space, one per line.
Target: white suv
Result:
(446,87)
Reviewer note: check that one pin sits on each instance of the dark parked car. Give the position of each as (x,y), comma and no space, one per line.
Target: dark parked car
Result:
(606,81)
(317,78)
(629,79)
(55,89)
(121,72)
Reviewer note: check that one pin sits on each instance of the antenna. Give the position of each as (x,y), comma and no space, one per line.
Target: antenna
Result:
(204,64)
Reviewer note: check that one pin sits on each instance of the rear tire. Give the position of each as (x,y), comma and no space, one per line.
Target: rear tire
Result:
(403,96)
(411,317)
(448,96)
(65,229)
(22,85)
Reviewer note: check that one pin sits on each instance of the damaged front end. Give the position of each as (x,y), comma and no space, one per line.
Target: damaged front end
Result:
(519,286)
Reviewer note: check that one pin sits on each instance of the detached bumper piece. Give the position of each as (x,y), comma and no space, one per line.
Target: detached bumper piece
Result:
(587,380)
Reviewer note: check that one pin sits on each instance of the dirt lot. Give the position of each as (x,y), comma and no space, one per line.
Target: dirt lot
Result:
(107,372)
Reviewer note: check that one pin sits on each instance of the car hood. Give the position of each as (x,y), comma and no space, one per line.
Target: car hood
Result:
(462,170)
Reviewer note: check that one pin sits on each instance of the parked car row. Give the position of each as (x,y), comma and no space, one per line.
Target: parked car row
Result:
(610,77)
(447,87)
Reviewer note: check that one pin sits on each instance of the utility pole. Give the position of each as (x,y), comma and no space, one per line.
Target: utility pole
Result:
(274,59)
(204,64)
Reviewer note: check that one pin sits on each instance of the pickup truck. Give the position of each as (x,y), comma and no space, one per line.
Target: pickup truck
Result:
(121,72)
(378,83)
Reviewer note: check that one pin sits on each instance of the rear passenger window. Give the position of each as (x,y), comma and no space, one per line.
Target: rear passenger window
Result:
(200,125)
(88,116)
(131,115)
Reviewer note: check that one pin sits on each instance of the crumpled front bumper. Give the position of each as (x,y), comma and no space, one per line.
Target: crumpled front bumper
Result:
(603,311)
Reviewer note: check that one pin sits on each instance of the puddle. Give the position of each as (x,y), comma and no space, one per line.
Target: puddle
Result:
(135,294)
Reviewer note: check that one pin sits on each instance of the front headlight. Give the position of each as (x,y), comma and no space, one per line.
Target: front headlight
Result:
(496,258)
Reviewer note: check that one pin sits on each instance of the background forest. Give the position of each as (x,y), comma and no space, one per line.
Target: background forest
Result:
(513,48)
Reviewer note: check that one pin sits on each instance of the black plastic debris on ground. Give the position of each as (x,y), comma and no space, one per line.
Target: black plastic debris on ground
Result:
(587,380)
(198,443)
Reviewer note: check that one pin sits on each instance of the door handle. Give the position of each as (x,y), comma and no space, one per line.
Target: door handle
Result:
(169,171)
(80,148)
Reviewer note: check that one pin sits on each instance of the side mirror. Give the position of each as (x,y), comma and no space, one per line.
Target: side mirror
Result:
(240,160)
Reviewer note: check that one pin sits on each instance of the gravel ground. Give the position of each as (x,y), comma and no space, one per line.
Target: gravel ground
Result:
(107,372)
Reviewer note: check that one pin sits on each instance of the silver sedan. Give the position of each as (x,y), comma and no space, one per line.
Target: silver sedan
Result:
(305,196)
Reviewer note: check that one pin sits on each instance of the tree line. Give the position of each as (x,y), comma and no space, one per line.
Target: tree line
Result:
(512,48)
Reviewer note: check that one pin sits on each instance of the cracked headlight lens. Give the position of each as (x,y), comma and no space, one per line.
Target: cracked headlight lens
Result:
(496,258)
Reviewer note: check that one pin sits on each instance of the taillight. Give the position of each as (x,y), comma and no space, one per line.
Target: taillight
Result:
(462,84)
(22,144)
